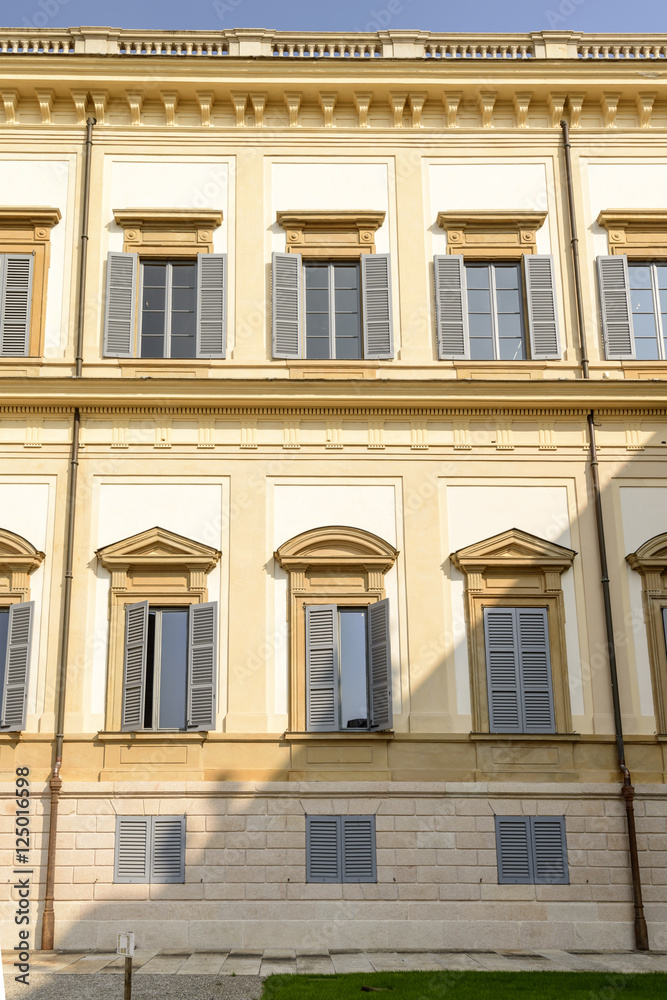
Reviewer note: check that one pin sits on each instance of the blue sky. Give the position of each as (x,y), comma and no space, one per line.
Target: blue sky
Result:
(341,15)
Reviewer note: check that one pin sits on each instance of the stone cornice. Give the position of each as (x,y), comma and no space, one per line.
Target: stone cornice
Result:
(167,218)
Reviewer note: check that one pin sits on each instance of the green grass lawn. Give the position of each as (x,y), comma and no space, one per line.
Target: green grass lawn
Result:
(469,986)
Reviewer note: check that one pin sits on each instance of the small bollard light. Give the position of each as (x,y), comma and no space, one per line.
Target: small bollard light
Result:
(125,948)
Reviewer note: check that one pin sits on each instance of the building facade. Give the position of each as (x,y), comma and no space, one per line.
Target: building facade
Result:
(299,561)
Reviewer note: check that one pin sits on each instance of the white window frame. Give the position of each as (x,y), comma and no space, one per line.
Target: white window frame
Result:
(657,315)
(492,265)
(330,264)
(167,306)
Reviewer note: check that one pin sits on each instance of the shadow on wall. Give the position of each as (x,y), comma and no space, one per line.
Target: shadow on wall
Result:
(436,854)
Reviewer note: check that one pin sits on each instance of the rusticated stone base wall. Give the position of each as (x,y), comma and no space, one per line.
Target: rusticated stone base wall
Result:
(437,882)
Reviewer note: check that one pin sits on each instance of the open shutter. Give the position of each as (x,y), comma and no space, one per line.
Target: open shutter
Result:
(286,304)
(451,308)
(615,307)
(167,856)
(17,666)
(379,665)
(120,305)
(358,838)
(535,670)
(211,305)
(323,849)
(15,301)
(549,850)
(322,668)
(202,664)
(131,862)
(542,315)
(513,849)
(376,305)
(502,670)
(134,667)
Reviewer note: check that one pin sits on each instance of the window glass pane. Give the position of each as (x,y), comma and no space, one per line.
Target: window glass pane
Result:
(183,347)
(347,305)
(4,632)
(173,669)
(508,300)
(353,681)
(642,300)
(346,275)
(183,275)
(317,348)
(507,276)
(662,295)
(346,300)
(639,275)
(644,325)
(153,304)
(317,300)
(661,272)
(481,349)
(317,325)
(479,301)
(348,348)
(645,349)
(183,326)
(476,276)
(509,325)
(316,276)
(511,349)
(150,672)
(183,299)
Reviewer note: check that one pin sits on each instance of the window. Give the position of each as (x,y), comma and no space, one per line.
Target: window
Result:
(170,667)
(168,318)
(495,312)
(163,634)
(342,319)
(182,307)
(516,641)
(518,670)
(25,235)
(18,559)
(333,310)
(150,849)
(339,615)
(648,303)
(340,849)
(650,561)
(531,850)
(348,668)
(483,309)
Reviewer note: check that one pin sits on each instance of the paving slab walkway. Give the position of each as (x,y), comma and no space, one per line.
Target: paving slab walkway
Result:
(237,974)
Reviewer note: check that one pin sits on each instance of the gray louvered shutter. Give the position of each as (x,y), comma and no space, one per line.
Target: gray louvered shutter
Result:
(535,670)
(120,305)
(513,849)
(358,839)
(131,860)
(451,307)
(323,849)
(549,850)
(202,665)
(502,670)
(211,305)
(286,305)
(379,665)
(376,305)
(134,666)
(15,303)
(322,668)
(615,307)
(167,855)
(542,313)
(17,666)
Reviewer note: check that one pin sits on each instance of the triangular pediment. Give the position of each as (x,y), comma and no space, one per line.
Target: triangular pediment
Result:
(15,549)
(159,546)
(651,555)
(513,547)
(336,544)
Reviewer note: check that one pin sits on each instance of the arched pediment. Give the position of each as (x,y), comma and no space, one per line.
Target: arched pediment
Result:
(651,556)
(17,551)
(158,547)
(336,545)
(513,548)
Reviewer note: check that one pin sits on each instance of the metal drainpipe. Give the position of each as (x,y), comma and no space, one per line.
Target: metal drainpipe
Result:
(55,784)
(627,790)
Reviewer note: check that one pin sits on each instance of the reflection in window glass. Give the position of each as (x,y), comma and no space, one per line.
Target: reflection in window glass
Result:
(353,681)
(648,301)
(166,669)
(495,312)
(333,311)
(168,318)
